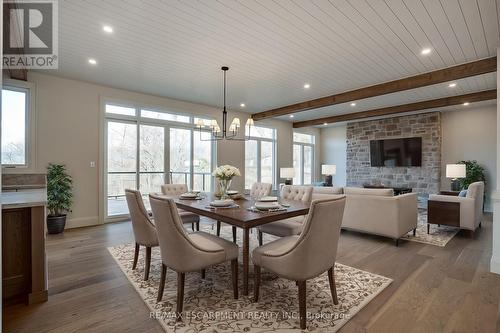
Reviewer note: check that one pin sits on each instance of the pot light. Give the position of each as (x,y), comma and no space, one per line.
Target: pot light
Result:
(466,103)
(325,124)
(92,61)
(426,51)
(353,104)
(108,29)
(291,116)
(307,86)
(242,105)
(452,85)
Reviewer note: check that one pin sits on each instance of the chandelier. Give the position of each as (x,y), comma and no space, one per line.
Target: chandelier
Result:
(226,133)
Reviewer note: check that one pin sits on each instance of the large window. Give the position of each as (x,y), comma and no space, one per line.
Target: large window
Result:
(303,157)
(146,149)
(15,115)
(260,156)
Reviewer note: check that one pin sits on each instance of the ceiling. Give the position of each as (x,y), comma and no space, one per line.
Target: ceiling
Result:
(175,48)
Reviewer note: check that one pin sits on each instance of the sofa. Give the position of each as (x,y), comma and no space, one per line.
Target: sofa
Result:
(375,211)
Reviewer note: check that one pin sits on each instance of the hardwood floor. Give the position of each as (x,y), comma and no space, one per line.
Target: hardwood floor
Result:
(434,290)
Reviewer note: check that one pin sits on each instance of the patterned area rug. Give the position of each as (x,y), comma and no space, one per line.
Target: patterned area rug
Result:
(209,305)
(439,236)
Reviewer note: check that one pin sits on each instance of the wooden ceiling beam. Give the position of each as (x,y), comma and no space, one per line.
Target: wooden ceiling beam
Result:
(478,67)
(431,104)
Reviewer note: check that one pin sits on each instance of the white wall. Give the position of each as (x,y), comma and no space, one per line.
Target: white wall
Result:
(67,131)
(470,135)
(495,256)
(334,151)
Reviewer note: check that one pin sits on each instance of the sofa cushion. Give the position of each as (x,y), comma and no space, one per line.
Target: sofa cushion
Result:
(328,190)
(384,192)
(462,193)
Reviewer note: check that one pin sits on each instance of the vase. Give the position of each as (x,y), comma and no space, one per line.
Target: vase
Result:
(224,185)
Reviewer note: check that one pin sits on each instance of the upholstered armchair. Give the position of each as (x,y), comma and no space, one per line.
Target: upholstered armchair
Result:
(469,209)
(300,258)
(187,217)
(143,227)
(291,226)
(188,252)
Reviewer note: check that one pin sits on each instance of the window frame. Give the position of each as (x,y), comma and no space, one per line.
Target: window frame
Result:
(30,128)
(259,141)
(301,166)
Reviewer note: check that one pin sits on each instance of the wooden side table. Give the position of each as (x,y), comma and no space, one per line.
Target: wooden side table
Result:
(454,193)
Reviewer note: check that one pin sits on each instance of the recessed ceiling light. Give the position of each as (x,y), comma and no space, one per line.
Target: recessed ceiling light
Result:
(452,85)
(291,116)
(325,124)
(466,103)
(92,61)
(353,104)
(307,86)
(107,28)
(242,105)
(426,51)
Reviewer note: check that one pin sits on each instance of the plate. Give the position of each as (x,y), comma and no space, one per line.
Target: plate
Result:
(232,192)
(189,195)
(268,199)
(267,205)
(222,203)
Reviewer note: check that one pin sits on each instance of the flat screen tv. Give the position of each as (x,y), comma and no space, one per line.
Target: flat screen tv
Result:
(404,152)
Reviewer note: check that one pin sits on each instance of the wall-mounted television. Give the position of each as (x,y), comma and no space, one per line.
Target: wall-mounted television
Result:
(403,152)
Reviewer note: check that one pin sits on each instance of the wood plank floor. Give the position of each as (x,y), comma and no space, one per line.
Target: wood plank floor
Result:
(434,290)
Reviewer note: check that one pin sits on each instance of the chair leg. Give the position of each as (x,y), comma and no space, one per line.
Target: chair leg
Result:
(192,226)
(198,226)
(180,294)
(234,235)
(302,304)
(256,287)
(414,232)
(397,241)
(203,273)
(136,256)
(333,287)
(480,224)
(428,228)
(218,228)
(234,274)
(162,282)
(148,263)
(260,236)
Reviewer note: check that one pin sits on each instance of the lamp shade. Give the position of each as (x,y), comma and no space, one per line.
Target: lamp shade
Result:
(455,170)
(287,173)
(328,169)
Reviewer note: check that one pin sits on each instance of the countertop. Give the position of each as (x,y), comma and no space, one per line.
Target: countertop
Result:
(25,198)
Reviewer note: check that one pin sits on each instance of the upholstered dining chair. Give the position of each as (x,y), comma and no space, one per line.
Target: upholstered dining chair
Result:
(300,258)
(188,252)
(291,226)
(257,190)
(143,227)
(186,217)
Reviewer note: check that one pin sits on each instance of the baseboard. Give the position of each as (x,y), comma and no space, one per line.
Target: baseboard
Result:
(82,222)
(495,265)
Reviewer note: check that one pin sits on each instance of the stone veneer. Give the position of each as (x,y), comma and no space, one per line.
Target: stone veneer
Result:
(421,179)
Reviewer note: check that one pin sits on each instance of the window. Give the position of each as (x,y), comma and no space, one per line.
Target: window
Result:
(146,149)
(260,156)
(303,158)
(15,115)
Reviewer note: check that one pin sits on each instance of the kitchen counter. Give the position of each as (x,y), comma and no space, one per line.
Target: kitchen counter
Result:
(25,198)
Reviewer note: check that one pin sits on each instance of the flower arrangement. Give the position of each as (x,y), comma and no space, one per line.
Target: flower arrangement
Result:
(225,174)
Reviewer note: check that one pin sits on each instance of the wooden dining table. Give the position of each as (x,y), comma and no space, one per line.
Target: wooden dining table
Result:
(242,217)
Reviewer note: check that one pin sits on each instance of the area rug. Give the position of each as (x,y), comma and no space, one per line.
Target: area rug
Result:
(439,235)
(209,305)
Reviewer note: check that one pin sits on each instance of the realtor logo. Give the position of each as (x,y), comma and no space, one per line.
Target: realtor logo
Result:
(30,34)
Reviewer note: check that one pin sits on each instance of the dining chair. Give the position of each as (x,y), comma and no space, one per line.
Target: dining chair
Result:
(301,258)
(188,252)
(257,190)
(186,217)
(290,226)
(143,227)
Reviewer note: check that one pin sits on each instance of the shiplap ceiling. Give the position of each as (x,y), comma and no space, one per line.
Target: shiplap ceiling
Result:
(175,48)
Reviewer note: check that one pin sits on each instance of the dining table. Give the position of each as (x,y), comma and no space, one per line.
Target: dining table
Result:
(242,215)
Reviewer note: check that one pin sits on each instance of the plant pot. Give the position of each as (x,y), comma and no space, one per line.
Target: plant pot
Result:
(56,224)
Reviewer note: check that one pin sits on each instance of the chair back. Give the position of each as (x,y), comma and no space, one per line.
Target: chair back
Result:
(260,190)
(299,193)
(476,191)
(178,251)
(174,189)
(144,229)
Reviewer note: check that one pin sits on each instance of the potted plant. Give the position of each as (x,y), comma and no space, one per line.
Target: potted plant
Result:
(59,197)
(473,173)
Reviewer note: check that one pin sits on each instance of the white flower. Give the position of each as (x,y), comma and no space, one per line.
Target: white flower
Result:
(226,172)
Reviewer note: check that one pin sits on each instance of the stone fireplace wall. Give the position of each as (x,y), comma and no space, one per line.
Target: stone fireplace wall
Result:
(421,179)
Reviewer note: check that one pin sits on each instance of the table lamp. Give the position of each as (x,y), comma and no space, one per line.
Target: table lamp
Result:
(455,171)
(288,174)
(328,170)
